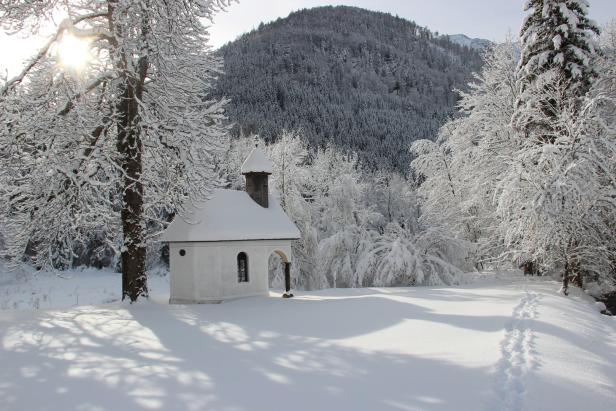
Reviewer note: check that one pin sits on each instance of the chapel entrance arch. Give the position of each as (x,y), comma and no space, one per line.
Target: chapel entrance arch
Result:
(287,272)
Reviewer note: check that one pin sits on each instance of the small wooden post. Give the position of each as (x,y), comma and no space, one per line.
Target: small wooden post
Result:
(287,281)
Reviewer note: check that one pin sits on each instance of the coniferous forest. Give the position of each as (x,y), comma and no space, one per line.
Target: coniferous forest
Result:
(364,81)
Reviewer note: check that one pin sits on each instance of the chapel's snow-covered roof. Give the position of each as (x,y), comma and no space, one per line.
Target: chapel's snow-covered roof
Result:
(231,215)
(257,162)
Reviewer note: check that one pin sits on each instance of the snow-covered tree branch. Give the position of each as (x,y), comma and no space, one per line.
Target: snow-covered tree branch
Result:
(115,144)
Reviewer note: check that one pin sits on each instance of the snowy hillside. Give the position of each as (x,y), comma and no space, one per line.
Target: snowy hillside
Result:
(506,345)
(363,80)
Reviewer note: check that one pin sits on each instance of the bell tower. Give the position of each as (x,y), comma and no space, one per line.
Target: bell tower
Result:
(257,169)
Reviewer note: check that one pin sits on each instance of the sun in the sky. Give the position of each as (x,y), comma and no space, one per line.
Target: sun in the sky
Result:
(73,52)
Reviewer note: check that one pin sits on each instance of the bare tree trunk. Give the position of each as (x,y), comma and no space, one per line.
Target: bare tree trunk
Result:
(129,145)
(577,272)
(565,287)
(130,149)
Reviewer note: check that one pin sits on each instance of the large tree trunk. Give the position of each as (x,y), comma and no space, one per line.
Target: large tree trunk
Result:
(577,272)
(565,286)
(528,267)
(130,146)
(130,150)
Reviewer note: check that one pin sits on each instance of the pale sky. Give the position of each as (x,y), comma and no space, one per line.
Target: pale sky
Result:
(489,19)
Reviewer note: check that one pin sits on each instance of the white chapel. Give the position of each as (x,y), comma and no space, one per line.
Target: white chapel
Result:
(221,249)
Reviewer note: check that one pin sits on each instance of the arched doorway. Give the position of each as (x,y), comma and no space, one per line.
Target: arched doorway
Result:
(280,266)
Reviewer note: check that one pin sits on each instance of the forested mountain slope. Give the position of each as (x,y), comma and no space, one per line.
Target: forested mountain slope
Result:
(364,80)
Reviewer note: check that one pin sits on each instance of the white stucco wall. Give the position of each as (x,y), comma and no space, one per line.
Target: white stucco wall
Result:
(208,271)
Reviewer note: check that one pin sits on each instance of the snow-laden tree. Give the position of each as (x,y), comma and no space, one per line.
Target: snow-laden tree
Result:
(462,170)
(557,37)
(341,216)
(289,156)
(393,199)
(605,89)
(440,185)
(479,143)
(115,144)
(518,196)
(556,199)
(540,191)
(292,184)
(356,226)
(229,164)
(557,34)
(401,258)
(370,234)
(605,83)
(404,249)
(549,195)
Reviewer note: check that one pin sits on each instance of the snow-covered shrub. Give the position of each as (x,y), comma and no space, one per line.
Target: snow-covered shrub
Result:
(399,258)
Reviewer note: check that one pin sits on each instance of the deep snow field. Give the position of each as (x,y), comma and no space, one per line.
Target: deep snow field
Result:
(498,344)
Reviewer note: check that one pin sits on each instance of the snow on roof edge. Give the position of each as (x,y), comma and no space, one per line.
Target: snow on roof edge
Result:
(257,162)
(232,215)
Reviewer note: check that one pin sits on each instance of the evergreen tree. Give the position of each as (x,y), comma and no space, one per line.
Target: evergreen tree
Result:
(558,34)
(557,42)
(555,72)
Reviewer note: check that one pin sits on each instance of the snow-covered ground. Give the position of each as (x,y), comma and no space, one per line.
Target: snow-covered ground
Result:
(499,345)
(25,288)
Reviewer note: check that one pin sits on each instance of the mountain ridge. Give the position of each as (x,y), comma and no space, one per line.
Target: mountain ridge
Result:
(366,81)
(466,41)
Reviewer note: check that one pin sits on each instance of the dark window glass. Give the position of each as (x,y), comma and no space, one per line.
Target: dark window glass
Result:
(242,267)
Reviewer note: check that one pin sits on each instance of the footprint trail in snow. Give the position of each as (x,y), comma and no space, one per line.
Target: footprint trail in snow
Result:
(517,355)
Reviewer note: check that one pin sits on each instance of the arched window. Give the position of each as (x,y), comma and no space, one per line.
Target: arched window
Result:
(242,267)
